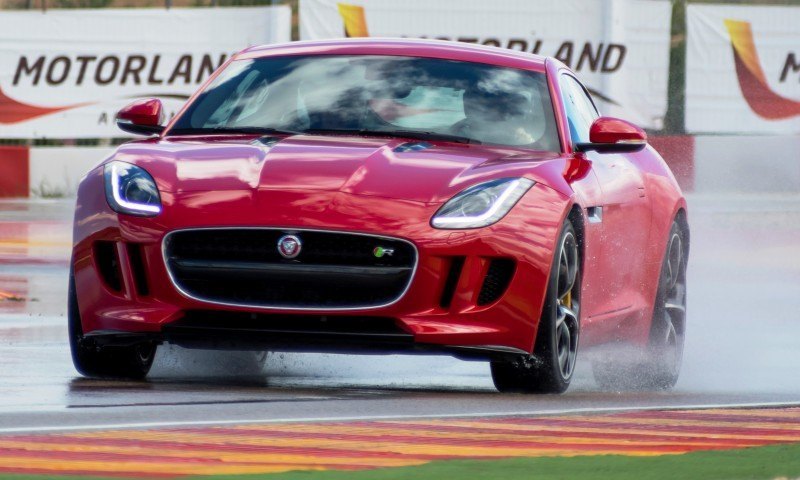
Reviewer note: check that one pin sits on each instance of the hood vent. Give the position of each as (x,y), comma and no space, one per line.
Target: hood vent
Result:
(412,147)
(267,141)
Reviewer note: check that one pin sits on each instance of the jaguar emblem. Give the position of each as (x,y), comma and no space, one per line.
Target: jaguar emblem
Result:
(289,246)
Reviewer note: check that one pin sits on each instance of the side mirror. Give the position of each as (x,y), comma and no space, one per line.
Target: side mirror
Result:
(613,135)
(142,117)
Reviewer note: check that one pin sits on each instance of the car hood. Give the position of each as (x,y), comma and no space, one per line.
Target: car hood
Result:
(428,172)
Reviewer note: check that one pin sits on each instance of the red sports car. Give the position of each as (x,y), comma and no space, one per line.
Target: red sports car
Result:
(384,196)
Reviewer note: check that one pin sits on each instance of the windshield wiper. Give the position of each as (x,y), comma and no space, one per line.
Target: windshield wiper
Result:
(415,134)
(233,130)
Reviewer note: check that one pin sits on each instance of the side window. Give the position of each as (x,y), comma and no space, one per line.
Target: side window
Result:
(579,107)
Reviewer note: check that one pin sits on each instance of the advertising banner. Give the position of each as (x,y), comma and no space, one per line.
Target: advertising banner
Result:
(619,48)
(743,69)
(65,73)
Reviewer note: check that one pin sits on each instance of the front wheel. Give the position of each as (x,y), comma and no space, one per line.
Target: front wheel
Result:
(550,368)
(131,362)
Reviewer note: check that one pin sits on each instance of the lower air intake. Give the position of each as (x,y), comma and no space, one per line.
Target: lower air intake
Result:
(496,281)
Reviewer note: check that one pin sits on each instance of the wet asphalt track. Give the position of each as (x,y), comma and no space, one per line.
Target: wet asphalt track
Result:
(743,343)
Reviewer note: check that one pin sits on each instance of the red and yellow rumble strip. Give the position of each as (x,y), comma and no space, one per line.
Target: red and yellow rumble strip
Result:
(264,448)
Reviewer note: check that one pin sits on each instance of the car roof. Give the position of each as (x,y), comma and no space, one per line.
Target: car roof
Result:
(444,49)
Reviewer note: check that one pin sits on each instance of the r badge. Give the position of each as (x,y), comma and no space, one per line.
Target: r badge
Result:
(380,252)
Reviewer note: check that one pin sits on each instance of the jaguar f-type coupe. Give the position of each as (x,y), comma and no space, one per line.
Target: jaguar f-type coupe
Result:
(384,196)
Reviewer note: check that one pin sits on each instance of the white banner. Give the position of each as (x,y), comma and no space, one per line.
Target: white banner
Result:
(743,69)
(619,48)
(65,73)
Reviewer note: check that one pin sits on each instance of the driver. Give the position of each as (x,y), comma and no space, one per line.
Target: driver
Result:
(496,117)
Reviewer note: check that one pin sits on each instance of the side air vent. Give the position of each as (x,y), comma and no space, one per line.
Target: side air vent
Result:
(496,281)
(137,266)
(453,274)
(107,260)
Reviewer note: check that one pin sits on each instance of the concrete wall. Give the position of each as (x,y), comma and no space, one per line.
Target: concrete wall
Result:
(56,171)
(747,164)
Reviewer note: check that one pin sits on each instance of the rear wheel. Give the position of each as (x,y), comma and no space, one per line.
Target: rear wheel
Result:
(662,363)
(550,368)
(131,362)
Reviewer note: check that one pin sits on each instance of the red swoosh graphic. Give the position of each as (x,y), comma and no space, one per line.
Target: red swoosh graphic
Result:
(13,111)
(752,80)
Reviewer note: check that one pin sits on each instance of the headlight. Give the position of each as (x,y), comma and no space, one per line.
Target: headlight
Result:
(130,189)
(482,204)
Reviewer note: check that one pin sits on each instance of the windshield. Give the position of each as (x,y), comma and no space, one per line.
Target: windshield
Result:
(384,95)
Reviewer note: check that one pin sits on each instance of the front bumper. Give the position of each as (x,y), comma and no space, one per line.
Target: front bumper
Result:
(439,310)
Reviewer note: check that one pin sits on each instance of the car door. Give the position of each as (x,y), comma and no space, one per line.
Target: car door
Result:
(620,217)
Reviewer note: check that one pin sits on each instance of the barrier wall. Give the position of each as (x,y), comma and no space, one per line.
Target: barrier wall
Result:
(57,171)
(46,171)
(14,171)
(747,164)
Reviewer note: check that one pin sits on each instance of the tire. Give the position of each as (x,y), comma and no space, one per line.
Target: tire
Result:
(110,362)
(550,368)
(661,365)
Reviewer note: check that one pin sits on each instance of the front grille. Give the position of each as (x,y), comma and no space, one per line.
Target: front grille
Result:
(241,266)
